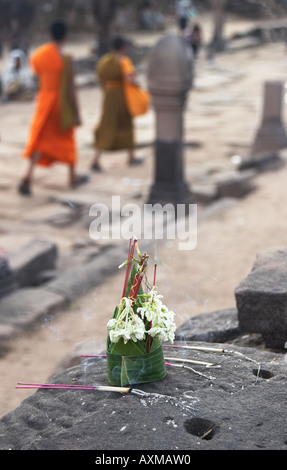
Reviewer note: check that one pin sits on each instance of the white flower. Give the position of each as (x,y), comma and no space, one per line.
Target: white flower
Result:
(127,325)
(162,319)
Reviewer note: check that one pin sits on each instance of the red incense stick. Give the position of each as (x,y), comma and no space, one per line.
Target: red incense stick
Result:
(129,265)
(154,275)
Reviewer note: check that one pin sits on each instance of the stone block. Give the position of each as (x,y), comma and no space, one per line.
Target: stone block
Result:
(261,298)
(261,162)
(204,193)
(234,184)
(7,278)
(218,327)
(75,282)
(23,308)
(33,258)
(6,333)
(236,406)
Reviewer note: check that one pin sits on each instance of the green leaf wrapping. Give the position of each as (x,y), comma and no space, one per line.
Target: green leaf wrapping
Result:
(133,369)
(130,363)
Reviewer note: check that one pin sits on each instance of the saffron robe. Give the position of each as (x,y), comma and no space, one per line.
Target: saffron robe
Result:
(115,129)
(46,134)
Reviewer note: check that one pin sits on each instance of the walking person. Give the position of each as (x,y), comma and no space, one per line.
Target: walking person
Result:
(17,80)
(194,39)
(182,11)
(115,129)
(51,138)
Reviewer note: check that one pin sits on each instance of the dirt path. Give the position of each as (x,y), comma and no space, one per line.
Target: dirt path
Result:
(222,115)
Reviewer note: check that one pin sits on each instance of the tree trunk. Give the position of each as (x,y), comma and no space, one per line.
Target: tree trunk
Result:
(21,15)
(217,43)
(104,12)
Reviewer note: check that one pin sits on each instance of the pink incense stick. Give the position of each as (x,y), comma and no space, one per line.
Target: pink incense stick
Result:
(56,385)
(22,385)
(93,355)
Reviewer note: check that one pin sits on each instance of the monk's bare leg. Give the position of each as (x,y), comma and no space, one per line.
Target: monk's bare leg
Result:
(131,155)
(96,162)
(75,179)
(25,186)
(132,160)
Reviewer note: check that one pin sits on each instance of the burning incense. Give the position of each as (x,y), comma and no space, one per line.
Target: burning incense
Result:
(183,366)
(192,361)
(150,325)
(138,278)
(129,265)
(197,348)
(154,275)
(102,388)
(207,364)
(93,355)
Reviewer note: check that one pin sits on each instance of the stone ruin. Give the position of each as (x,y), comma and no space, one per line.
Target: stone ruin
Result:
(7,279)
(227,392)
(271,135)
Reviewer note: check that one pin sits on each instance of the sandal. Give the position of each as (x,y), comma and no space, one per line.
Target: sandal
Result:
(80,180)
(96,167)
(136,161)
(24,189)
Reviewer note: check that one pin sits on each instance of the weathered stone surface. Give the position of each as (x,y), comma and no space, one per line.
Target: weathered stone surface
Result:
(54,290)
(262,298)
(220,327)
(36,256)
(217,208)
(262,162)
(7,278)
(234,184)
(79,280)
(6,332)
(204,193)
(23,308)
(222,410)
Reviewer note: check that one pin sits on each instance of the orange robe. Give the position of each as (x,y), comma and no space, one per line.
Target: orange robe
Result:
(46,136)
(115,128)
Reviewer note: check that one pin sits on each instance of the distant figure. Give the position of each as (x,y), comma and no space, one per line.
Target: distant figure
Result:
(149,19)
(194,39)
(51,137)
(115,129)
(182,11)
(17,79)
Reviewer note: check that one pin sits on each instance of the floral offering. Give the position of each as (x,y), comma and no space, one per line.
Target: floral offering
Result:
(139,325)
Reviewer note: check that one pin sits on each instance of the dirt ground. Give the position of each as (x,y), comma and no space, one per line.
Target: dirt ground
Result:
(222,115)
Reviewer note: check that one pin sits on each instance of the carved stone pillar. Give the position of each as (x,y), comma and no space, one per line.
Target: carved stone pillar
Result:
(169,80)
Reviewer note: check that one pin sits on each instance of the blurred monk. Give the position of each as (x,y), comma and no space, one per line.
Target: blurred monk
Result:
(115,129)
(51,137)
